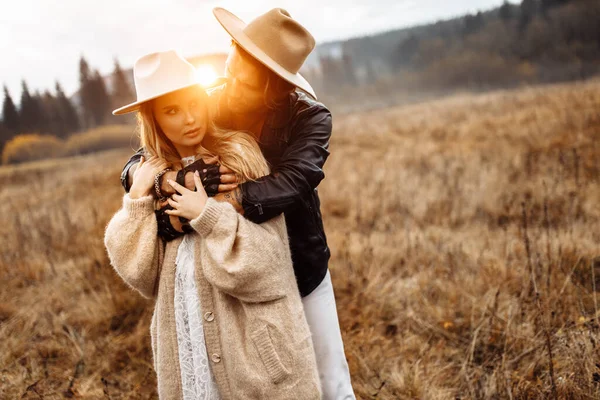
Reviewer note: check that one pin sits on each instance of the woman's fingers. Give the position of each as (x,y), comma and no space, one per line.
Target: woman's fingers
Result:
(173,212)
(177,186)
(161,204)
(172,203)
(227,188)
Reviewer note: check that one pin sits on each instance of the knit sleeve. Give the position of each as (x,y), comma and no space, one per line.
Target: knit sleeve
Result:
(241,258)
(134,248)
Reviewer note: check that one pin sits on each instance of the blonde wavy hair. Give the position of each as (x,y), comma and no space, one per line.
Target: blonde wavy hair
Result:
(237,150)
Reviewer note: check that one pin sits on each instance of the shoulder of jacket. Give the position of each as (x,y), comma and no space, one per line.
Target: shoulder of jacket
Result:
(305,102)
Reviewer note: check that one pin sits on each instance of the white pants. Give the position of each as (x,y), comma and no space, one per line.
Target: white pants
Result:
(321,314)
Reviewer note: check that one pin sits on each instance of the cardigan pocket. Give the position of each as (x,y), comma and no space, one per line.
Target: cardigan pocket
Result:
(268,355)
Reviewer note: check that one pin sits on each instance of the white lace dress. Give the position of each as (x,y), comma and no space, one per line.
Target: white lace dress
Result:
(197,380)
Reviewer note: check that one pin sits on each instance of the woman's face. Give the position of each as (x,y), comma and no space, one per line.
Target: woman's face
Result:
(183,117)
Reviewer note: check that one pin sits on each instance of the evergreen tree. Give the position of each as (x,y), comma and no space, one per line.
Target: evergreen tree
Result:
(67,111)
(54,120)
(101,99)
(528,11)
(122,92)
(349,75)
(5,135)
(505,12)
(28,112)
(86,96)
(31,113)
(546,5)
(40,117)
(10,114)
(405,52)
(473,23)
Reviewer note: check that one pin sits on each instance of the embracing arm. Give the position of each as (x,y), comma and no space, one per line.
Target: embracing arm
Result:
(239,257)
(299,171)
(135,250)
(129,169)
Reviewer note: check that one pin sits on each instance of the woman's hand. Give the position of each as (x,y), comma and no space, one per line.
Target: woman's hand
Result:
(188,204)
(143,177)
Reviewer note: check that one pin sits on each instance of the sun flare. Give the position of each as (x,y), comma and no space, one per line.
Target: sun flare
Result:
(205,74)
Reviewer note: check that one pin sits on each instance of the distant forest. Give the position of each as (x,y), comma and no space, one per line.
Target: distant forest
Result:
(536,41)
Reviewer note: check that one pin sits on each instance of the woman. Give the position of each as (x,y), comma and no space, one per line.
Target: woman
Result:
(228,320)
(266,95)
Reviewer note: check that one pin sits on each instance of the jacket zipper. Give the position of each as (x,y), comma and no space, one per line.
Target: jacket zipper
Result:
(260,210)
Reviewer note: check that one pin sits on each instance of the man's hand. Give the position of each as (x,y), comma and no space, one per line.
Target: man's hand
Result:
(166,189)
(215,178)
(229,181)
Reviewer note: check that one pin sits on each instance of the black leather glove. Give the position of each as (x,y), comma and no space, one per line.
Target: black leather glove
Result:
(209,175)
(166,229)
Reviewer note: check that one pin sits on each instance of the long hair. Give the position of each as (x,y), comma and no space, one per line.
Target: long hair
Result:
(236,150)
(276,88)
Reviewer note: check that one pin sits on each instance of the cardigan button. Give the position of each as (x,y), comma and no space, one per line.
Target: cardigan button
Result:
(209,316)
(216,358)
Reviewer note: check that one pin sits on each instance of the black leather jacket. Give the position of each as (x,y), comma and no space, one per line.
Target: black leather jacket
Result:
(295,142)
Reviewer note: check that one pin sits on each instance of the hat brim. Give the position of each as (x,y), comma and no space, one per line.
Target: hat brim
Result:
(132,107)
(235,28)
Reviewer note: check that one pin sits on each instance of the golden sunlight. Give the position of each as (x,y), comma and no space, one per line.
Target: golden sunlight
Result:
(205,74)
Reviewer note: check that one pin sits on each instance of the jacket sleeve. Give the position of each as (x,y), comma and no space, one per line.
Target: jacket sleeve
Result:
(134,159)
(135,250)
(239,257)
(299,171)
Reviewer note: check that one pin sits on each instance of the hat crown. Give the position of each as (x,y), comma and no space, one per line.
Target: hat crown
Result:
(282,38)
(275,40)
(162,72)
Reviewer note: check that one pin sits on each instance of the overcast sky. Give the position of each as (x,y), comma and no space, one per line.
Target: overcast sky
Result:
(41,41)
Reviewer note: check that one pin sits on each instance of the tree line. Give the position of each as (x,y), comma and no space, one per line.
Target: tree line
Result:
(53,113)
(533,41)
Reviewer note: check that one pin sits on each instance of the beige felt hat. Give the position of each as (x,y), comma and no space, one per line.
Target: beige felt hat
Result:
(275,40)
(157,74)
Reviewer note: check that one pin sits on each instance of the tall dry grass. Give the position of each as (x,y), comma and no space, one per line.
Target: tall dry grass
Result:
(464,236)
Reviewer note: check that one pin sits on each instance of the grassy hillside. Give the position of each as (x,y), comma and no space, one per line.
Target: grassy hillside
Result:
(464,236)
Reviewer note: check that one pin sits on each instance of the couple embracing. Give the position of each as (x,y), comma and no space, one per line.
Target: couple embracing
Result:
(221,222)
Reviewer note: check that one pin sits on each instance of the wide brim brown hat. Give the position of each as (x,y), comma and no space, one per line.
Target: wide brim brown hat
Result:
(275,40)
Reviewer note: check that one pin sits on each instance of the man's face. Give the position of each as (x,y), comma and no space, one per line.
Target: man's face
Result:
(246,84)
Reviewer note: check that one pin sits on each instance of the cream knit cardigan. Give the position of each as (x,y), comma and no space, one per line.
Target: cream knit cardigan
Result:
(257,338)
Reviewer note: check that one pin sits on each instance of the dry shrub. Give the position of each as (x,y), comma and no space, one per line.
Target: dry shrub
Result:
(101,138)
(30,147)
(33,147)
(464,236)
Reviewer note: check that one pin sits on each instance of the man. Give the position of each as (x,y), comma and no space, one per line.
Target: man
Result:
(266,96)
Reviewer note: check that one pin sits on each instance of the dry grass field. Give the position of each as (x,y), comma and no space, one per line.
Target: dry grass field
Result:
(464,232)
